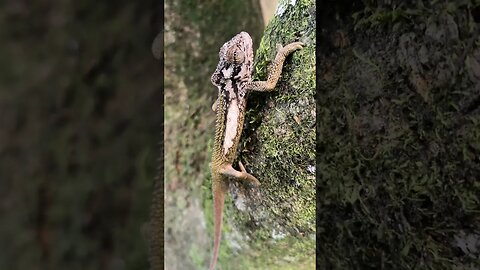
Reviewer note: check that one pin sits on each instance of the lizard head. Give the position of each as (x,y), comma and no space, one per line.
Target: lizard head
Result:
(236,59)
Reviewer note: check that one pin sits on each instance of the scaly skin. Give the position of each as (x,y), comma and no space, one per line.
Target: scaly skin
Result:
(233,77)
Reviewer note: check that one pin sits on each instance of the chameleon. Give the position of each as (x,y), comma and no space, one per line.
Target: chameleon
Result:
(233,78)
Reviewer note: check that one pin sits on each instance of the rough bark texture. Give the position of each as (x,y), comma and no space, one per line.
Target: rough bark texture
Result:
(280,232)
(398,135)
(79,129)
(273,227)
(194,32)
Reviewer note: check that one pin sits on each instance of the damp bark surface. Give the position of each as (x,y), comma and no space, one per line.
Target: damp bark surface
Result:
(281,216)
(398,132)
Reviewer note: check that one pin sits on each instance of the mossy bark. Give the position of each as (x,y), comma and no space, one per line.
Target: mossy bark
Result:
(273,227)
(398,136)
(194,33)
(79,129)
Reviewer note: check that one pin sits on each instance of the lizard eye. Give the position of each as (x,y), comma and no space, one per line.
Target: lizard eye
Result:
(239,57)
(235,56)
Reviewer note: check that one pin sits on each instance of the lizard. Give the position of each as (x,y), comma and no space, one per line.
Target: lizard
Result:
(233,78)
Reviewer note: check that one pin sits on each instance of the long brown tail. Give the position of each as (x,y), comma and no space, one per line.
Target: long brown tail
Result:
(219,188)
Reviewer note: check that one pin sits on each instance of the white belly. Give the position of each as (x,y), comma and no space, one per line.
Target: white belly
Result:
(231,126)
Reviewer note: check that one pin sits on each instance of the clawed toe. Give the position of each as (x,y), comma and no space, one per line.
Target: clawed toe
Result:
(242,168)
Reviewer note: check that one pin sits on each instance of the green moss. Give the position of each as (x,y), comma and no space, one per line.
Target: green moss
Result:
(191,55)
(278,147)
(396,169)
(288,253)
(79,147)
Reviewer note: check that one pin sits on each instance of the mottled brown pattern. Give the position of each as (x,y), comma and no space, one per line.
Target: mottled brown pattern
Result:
(233,77)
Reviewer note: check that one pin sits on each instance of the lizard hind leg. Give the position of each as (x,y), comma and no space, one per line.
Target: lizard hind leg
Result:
(229,171)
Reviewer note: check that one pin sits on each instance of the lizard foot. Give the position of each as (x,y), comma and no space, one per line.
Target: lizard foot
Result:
(249,178)
(241,175)
(289,48)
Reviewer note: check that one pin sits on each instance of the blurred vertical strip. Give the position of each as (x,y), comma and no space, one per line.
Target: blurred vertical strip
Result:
(156,224)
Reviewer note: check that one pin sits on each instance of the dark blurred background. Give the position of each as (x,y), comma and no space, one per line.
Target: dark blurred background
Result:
(80,123)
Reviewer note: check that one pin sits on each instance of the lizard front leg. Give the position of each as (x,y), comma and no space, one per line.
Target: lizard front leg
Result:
(215,104)
(229,171)
(275,68)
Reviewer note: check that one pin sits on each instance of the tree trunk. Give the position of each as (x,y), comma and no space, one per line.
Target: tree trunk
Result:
(398,135)
(273,227)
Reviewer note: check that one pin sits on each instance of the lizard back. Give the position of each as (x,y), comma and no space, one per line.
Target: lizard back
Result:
(233,71)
